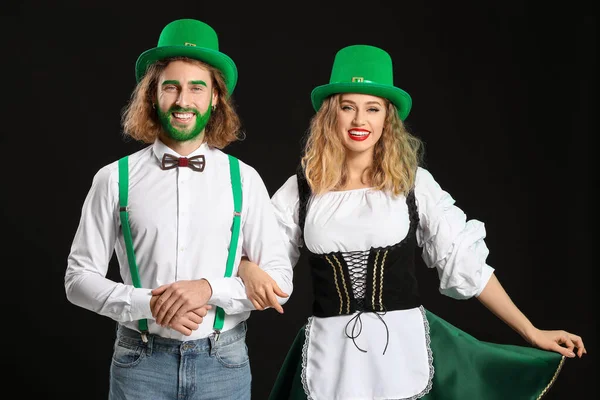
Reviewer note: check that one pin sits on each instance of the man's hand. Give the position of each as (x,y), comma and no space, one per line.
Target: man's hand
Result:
(176,299)
(261,289)
(189,322)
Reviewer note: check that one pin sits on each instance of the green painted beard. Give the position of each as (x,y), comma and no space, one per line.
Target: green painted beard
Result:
(182,133)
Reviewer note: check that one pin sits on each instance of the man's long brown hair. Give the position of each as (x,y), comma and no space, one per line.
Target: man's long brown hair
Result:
(140,118)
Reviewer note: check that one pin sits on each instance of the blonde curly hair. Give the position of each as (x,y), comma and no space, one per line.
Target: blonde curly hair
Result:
(396,156)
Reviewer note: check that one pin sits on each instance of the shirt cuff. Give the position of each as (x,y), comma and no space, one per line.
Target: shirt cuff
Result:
(222,291)
(486,274)
(140,304)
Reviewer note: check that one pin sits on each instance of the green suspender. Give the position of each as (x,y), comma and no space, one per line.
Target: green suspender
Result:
(123,198)
(236,186)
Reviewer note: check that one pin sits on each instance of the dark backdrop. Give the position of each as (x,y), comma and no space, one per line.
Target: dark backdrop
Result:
(503,97)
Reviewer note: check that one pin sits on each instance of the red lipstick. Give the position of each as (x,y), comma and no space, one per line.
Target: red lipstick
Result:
(358,134)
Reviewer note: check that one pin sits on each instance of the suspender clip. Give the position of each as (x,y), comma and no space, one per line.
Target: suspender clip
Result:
(144,335)
(217,334)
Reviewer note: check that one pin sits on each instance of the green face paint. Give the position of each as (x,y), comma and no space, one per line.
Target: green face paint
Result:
(180,132)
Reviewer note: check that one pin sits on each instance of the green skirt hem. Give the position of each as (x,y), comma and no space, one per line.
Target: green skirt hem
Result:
(464,368)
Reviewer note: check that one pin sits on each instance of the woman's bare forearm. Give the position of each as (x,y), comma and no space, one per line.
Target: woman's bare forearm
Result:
(495,298)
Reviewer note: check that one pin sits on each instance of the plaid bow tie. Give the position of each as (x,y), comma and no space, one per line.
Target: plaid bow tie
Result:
(196,163)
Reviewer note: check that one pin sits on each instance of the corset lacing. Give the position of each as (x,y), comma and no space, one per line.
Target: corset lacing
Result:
(357,269)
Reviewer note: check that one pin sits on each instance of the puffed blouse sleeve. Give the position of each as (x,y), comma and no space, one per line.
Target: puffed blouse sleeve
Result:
(452,244)
(285,203)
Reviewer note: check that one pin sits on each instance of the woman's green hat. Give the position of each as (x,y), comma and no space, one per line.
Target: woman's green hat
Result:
(193,39)
(367,70)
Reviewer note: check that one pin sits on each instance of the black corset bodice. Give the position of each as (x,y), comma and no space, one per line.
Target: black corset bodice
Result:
(388,283)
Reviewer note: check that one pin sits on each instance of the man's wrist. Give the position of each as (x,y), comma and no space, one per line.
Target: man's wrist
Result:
(209,287)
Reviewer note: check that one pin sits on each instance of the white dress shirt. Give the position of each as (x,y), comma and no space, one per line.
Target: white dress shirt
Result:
(357,220)
(181,223)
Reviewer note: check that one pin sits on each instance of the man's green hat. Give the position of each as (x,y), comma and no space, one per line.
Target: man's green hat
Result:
(193,39)
(367,70)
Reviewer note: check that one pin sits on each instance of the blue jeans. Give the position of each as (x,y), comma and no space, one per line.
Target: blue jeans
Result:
(168,369)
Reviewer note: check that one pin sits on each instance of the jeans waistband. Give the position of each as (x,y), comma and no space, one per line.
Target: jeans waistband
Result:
(133,338)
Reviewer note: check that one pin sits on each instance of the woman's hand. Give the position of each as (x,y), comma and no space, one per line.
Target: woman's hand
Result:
(495,298)
(261,289)
(563,342)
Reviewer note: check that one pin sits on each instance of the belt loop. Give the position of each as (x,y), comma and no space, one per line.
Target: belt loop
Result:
(149,344)
(212,343)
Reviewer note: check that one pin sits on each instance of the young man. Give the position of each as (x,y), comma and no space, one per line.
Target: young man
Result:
(179,214)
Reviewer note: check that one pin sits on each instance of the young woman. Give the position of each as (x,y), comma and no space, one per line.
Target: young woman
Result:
(361,204)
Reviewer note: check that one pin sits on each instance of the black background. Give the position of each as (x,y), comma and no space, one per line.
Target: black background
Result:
(504,96)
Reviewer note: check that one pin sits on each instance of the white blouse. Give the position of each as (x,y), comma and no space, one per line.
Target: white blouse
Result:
(356,220)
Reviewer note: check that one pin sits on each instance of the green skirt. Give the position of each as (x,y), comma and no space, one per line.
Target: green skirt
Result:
(465,368)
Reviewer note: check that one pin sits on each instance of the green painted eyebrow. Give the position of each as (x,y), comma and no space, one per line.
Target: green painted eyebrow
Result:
(176,82)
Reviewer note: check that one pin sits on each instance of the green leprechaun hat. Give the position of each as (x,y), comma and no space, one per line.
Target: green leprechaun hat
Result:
(193,39)
(367,70)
